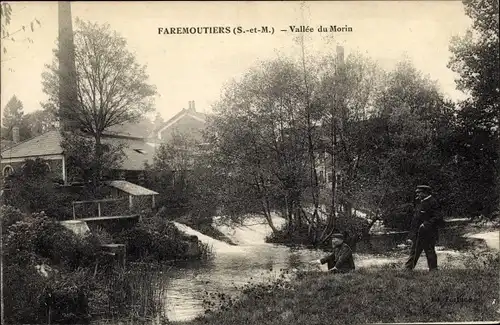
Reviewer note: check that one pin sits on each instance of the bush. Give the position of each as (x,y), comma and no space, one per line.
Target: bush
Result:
(157,239)
(23,287)
(62,246)
(354,228)
(10,215)
(38,239)
(66,298)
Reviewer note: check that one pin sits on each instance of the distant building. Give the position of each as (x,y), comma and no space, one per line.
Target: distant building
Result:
(48,147)
(187,122)
(140,139)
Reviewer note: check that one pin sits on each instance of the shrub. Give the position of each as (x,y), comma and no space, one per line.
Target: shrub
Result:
(102,236)
(66,298)
(10,215)
(157,239)
(38,238)
(23,287)
(354,229)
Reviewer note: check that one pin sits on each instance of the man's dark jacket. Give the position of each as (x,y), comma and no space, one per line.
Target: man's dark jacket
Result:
(426,213)
(341,258)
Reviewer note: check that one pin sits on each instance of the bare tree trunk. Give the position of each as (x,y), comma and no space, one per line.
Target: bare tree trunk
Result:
(97,163)
(311,147)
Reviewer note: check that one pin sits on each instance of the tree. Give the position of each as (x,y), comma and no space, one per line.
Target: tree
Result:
(80,152)
(475,58)
(13,115)
(6,18)
(405,144)
(346,94)
(112,87)
(40,121)
(171,173)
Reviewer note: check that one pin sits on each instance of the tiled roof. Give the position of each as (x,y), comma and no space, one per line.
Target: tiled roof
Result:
(139,129)
(131,188)
(4,144)
(137,152)
(47,143)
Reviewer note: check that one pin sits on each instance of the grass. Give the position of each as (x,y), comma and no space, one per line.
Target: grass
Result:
(367,296)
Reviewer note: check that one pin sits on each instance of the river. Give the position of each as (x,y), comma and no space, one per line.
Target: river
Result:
(253,261)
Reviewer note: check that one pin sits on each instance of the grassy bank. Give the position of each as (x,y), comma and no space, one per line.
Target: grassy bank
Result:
(369,295)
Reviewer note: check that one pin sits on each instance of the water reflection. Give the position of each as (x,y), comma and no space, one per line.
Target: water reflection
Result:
(227,272)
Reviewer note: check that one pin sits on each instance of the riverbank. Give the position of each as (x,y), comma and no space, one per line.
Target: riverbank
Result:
(464,289)
(368,295)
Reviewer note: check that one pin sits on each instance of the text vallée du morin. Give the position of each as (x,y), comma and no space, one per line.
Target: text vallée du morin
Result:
(240,29)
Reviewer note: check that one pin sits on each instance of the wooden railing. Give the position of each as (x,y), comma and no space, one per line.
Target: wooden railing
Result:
(99,207)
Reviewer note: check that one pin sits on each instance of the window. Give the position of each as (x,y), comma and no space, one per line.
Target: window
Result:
(8,170)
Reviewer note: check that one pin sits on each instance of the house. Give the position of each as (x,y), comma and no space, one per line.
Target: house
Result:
(188,122)
(47,146)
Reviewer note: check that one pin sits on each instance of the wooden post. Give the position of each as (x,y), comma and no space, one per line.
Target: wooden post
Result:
(153,197)
(74,215)
(130,202)
(99,209)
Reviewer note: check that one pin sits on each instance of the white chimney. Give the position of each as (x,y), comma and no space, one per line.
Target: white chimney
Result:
(15,134)
(191,106)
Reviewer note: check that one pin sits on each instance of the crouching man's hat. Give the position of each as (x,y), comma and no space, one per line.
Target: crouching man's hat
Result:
(424,188)
(338,235)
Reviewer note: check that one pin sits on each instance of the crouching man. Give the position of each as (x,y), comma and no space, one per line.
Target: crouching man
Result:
(341,259)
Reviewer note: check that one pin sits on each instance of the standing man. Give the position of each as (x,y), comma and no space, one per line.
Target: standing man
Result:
(424,229)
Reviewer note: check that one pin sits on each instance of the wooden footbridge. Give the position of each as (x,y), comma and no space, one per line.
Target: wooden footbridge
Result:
(125,213)
(127,198)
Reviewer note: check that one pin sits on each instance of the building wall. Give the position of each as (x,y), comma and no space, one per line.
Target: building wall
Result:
(187,125)
(55,165)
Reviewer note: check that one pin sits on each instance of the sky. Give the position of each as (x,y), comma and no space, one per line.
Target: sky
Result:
(197,67)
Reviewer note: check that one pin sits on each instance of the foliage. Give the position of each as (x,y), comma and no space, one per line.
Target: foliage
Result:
(476,140)
(156,239)
(135,293)
(381,133)
(10,215)
(406,147)
(82,162)
(38,238)
(112,87)
(32,189)
(22,289)
(40,121)
(13,115)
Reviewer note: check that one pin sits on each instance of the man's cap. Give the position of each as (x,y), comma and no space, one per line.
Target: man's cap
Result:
(423,188)
(338,235)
